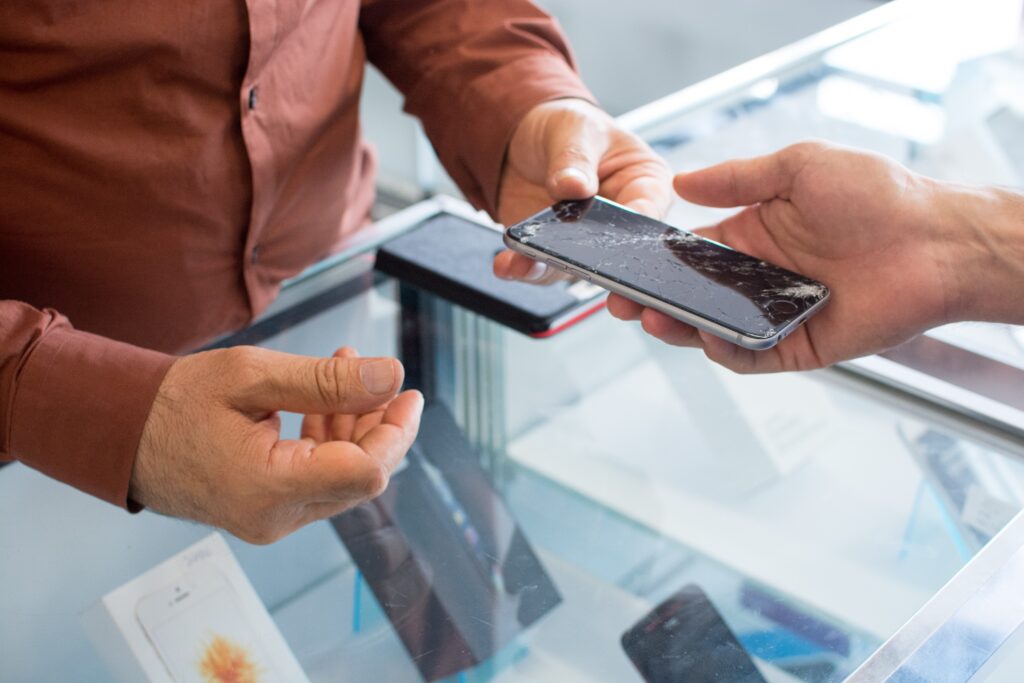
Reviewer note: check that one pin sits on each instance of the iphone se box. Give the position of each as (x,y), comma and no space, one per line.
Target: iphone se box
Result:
(195,617)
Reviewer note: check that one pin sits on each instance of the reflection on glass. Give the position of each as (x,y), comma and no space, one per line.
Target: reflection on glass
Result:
(444,557)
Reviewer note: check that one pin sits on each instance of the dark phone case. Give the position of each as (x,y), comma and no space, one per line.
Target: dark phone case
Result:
(451,257)
(685,639)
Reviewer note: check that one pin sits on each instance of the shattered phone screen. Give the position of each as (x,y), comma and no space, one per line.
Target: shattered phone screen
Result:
(702,277)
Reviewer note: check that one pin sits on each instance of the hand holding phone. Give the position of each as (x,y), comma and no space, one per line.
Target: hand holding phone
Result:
(702,283)
(901,253)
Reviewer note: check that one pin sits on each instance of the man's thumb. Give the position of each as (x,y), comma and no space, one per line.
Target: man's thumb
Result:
(301,384)
(574,152)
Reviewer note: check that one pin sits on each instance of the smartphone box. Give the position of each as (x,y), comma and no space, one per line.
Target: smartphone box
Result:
(196,609)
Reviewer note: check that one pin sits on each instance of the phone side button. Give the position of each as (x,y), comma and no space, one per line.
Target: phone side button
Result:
(552,263)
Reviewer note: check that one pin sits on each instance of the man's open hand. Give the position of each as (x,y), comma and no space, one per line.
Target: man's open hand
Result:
(212,451)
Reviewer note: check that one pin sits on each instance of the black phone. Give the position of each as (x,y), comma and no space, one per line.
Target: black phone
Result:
(685,639)
(700,282)
(451,257)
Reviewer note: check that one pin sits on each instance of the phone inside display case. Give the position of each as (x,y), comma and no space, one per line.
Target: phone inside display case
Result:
(442,554)
(685,639)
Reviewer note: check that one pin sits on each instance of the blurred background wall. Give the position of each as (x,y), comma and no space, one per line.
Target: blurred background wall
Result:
(630,53)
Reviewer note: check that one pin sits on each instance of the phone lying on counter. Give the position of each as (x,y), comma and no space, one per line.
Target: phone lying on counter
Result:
(702,283)
(685,639)
(451,257)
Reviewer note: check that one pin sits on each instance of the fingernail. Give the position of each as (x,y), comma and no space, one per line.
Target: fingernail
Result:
(536,272)
(573,173)
(378,376)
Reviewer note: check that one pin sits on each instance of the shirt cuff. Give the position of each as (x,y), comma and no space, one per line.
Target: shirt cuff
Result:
(79,408)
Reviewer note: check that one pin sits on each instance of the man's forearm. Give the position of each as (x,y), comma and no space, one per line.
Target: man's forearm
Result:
(985,227)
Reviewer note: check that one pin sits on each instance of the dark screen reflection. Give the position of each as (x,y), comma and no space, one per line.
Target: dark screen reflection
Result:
(714,282)
(444,557)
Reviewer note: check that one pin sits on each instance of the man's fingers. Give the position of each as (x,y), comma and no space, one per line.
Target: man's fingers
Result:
(340,425)
(348,473)
(315,427)
(648,195)
(668,329)
(743,182)
(362,426)
(388,441)
(508,265)
(654,323)
(622,308)
(635,177)
(727,354)
(574,148)
(269,380)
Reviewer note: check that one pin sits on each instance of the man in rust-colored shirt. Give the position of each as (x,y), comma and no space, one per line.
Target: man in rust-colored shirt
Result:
(165,165)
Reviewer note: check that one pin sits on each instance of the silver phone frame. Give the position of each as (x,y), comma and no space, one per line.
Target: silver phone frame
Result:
(738,338)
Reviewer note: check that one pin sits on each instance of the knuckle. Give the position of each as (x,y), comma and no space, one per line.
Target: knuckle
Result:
(801,151)
(651,324)
(257,534)
(575,151)
(377,482)
(243,363)
(333,379)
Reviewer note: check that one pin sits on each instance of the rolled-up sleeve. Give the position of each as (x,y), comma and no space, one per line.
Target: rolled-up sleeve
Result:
(470,70)
(73,405)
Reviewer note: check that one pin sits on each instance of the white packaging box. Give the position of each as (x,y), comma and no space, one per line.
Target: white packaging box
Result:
(162,626)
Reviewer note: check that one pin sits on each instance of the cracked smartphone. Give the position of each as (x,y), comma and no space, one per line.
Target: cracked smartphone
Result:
(702,283)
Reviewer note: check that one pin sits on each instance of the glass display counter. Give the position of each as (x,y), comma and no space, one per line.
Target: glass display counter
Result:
(858,523)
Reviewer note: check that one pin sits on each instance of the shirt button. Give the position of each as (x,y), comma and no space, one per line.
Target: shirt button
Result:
(254,257)
(252,98)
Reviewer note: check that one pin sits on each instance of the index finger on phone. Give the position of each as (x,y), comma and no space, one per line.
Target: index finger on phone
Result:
(669,330)
(624,309)
(509,265)
(654,323)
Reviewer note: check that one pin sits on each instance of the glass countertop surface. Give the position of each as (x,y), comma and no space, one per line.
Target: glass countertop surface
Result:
(577,498)
(813,520)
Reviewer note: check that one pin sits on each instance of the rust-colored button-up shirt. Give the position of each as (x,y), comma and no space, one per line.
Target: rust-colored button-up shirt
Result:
(164,164)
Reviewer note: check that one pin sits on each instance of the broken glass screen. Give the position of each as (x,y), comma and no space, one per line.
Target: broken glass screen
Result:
(701,277)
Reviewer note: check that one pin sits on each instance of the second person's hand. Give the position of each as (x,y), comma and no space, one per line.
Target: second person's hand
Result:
(865,226)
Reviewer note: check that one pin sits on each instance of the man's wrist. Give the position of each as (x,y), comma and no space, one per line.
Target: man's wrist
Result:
(983,228)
